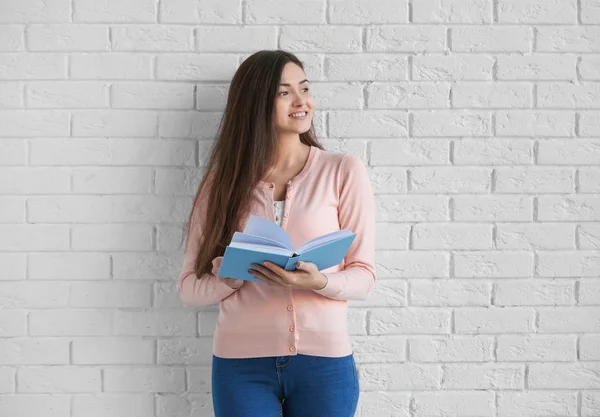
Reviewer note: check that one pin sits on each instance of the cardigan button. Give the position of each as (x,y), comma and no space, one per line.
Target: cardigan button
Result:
(290,308)
(292,329)
(292,349)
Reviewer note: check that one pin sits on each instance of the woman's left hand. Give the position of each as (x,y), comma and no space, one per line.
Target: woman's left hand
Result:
(306,276)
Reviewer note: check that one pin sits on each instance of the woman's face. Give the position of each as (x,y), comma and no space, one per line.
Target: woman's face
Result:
(294,104)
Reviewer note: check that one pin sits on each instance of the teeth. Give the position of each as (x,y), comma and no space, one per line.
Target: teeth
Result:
(298,114)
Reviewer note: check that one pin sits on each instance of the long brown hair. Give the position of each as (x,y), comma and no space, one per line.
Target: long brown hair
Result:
(245,147)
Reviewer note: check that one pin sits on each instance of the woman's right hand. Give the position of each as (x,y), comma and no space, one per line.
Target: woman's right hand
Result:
(230,282)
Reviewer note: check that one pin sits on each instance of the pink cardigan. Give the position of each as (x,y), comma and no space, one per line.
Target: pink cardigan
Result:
(332,192)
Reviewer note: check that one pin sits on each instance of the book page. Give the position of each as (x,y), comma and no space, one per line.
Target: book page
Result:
(242,237)
(321,240)
(261,227)
(261,248)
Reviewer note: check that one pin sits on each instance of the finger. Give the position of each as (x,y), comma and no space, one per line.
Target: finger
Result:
(266,279)
(269,273)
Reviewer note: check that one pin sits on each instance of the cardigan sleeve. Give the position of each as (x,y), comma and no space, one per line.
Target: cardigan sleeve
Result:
(201,290)
(356,212)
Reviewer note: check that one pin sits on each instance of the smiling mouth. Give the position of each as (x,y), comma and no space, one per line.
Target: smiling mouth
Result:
(299,115)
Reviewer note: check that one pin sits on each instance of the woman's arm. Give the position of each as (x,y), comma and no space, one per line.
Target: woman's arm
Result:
(356,213)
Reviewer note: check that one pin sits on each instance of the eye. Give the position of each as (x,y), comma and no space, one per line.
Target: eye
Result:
(282,93)
(306,89)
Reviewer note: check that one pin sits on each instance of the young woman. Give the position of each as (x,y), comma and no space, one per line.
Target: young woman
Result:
(281,346)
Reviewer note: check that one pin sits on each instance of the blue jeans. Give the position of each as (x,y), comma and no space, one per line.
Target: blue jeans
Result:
(288,386)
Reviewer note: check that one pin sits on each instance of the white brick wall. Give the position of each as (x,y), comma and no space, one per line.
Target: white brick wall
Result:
(480,123)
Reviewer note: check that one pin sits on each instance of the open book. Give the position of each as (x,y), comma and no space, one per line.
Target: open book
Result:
(264,240)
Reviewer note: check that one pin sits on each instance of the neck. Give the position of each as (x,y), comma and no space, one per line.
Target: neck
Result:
(291,153)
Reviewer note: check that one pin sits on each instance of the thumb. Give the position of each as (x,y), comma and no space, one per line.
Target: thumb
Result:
(305,266)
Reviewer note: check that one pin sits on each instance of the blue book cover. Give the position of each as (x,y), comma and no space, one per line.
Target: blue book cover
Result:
(264,240)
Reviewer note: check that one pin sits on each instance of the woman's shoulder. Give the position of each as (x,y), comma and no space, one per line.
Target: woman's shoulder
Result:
(341,159)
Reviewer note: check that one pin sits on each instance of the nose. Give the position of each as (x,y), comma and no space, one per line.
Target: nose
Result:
(299,101)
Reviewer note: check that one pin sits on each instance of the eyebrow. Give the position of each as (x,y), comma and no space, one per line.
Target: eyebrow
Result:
(288,85)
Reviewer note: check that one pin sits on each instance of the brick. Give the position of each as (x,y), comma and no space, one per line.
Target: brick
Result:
(496,95)
(579,263)
(590,11)
(535,180)
(493,208)
(367,123)
(274,12)
(493,264)
(152,38)
(412,264)
(588,347)
(589,124)
(392,236)
(119,66)
(68,266)
(112,405)
(357,322)
(568,39)
(451,348)
(361,67)
(411,208)
(451,236)
(494,320)
(144,380)
(569,320)
(17,180)
(177,181)
(114,180)
(12,38)
(114,123)
(564,376)
(112,237)
(539,403)
(536,348)
(460,404)
(166,294)
(33,66)
(25,295)
(387,293)
(25,123)
(114,351)
(589,236)
(171,404)
(62,379)
(188,124)
(13,266)
(30,11)
(185,351)
(204,67)
(321,39)
(70,37)
(207,11)
(452,11)
(199,378)
(493,151)
(406,39)
(589,67)
(13,152)
(112,294)
(534,292)
(452,67)
(589,180)
(569,208)
(409,152)
(394,377)
(13,209)
(31,352)
(535,236)
(356,147)
(67,95)
(33,237)
(491,39)
(114,11)
(389,180)
(148,152)
(11,96)
(13,323)
(376,11)
(211,97)
(407,95)
(590,403)
(409,321)
(450,180)
(545,67)
(27,405)
(383,404)
(152,96)
(488,376)
(339,96)
(569,152)
(69,323)
(449,293)
(535,123)
(537,11)
(450,123)
(236,39)
(150,266)
(563,95)
(589,293)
